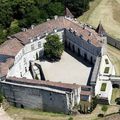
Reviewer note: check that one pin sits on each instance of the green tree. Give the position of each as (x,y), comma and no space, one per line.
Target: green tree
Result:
(36,77)
(14,27)
(104,108)
(55,8)
(53,47)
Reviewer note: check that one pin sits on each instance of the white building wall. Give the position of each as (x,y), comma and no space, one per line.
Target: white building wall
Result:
(28,53)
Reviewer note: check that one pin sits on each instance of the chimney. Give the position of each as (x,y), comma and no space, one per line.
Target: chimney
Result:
(24,29)
(32,26)
(55,17)
(55,30)
(90,34)
(48,19)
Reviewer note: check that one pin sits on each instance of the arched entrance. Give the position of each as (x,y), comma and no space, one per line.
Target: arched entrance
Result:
(73,48)
(85,56)
(91,60)
(69,45)
(116,85)
(79,52)
(65,44)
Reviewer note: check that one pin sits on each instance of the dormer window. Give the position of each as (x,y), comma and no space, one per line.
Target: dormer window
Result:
(39,44)
(32,47)
(89,41)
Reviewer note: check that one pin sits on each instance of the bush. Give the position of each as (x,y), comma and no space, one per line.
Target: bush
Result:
(71,118)
(53,48)
(100,115)
(36,77)
(104,108)
(117,100)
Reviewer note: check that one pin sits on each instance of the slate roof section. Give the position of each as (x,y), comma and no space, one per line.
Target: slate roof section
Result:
(68,13)
(100,30)
(8,51)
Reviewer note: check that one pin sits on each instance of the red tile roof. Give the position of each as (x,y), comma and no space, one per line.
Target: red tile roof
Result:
(8,50)
(59,23)
(43,83)
(10,47)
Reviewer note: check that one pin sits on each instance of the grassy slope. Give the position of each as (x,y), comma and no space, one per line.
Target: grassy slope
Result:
(108,12)
(24,114)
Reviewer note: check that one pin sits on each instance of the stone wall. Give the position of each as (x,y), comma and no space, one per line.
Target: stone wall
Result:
(27,96)
(80,46)
(113,42)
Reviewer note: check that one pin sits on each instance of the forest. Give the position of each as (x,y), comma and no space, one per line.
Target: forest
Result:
(18,14)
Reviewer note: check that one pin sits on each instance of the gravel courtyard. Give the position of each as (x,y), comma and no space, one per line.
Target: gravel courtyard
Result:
(67,70)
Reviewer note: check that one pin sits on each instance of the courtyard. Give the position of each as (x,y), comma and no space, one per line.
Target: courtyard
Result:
(68,70)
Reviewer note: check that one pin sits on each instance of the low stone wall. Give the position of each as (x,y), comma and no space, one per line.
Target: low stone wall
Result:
(27,96)
(114,42)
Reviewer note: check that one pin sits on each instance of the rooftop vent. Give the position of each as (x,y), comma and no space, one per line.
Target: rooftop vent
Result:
(31,40)
(48,19)
(55,17)
(55,30)
(32,26)
(89,41)
(38,37)
(24,29)
(46,33)
(70,29)
(75,32)
(90,34)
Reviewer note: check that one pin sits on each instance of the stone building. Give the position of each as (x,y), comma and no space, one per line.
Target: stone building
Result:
(17,53)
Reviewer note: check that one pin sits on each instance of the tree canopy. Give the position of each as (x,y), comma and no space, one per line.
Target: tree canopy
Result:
(53,48)
(16,14)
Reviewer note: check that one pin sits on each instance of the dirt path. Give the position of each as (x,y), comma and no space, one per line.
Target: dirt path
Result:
(4,115)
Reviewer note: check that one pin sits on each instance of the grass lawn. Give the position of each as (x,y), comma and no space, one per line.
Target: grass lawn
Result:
(115,94)
(114,55)
(108,12)
(27,114)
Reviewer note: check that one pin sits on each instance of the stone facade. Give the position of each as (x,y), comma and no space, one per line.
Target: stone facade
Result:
(25,93)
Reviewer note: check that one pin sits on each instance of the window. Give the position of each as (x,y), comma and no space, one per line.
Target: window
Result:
(23,51)
(103,86)
(25,61)
(32,47)
(39,44)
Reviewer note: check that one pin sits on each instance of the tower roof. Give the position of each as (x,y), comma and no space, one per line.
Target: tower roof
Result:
(68,13)
(100,30)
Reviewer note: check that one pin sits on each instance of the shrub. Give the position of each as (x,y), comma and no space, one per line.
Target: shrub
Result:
(71,118)
(53,47)
(104,108)
(100,115)
(36,77)
(117,100)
